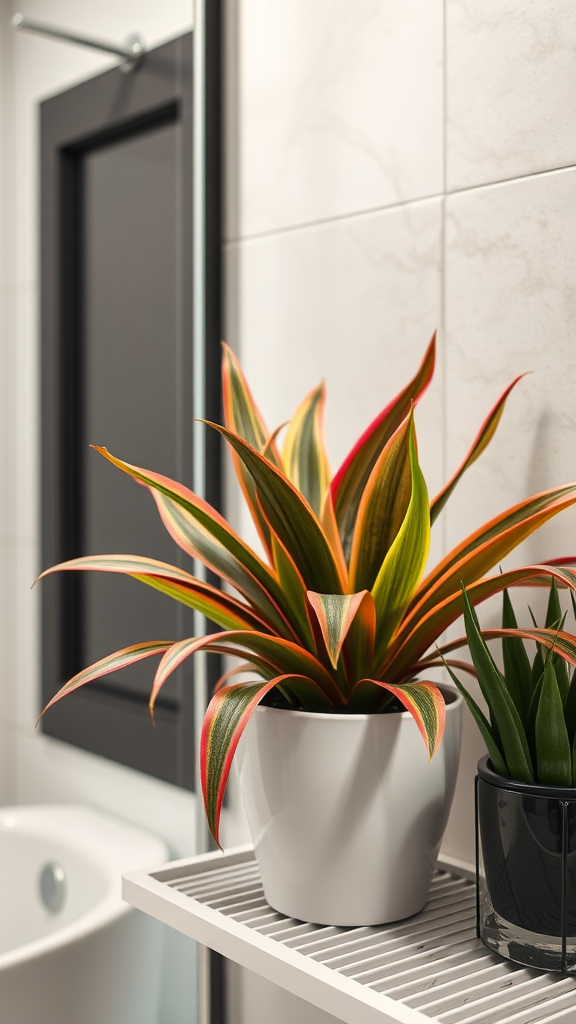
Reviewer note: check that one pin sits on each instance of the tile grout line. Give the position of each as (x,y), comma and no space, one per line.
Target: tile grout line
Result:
(398,205)
(443,541)
(336,219)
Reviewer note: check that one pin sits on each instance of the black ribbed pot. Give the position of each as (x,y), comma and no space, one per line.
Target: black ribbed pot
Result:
(526,870)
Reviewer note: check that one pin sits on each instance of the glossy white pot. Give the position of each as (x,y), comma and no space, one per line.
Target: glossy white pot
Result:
(346,812)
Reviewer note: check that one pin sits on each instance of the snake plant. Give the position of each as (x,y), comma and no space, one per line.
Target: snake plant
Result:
(338,614)
(531,730)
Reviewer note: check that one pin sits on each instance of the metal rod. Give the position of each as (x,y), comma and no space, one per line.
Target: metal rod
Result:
(199,442)
(132,51)
(199,361)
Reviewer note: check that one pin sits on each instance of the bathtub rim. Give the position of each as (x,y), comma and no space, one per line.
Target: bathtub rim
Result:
(99,830)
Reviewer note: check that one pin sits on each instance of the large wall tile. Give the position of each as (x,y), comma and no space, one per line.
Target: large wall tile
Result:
(354,302)
(511,81)
(510,308)
(333,108)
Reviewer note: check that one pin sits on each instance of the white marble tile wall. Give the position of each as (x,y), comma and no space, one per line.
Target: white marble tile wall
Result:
(511,81)
(511,308)
(336,108)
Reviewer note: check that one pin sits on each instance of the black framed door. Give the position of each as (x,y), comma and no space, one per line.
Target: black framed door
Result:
(117,371)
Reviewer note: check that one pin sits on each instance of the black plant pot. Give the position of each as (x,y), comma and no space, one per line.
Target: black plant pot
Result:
(526,870)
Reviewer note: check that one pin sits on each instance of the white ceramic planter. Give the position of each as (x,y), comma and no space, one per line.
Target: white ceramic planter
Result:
(346,812)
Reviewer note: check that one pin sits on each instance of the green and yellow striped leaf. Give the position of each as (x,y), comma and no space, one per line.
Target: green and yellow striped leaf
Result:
(111,663)
(204,534)
(485,548)
(423,700)
(382,509)
(336,613)
(419,631)
(294,590)
(405,560)
(304,452)
(280,655)
(330,527)
(242,416)
(235,670)
(227,716)
(358,648)
(349,482)
(291,519)
(215,604)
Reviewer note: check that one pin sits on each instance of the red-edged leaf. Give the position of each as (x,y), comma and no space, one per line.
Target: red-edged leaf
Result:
(294,590)
(404,563)
(228,713)
(304,452)
(236,670)
(227,716)
(282,655)
(481,441)
(195,540)
(423,700)
(336,613)
(464,666)
(273,437)
(112,663)
(420,629)
(348,485)
(330,527)
(382,509)
(215,604)
(358,649)
(242,416)
(291,519)
(204,534)
(561,562)
(485,548)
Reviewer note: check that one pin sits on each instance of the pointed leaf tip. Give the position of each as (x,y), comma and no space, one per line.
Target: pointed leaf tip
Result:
(335,614)
(349,482)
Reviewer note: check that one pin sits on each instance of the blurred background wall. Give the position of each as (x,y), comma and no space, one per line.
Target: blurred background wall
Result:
(392,167)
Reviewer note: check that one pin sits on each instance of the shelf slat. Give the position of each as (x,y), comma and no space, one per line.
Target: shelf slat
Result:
(429,969)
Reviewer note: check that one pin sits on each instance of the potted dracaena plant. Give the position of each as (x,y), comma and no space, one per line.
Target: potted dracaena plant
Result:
(335,625)
(526,790)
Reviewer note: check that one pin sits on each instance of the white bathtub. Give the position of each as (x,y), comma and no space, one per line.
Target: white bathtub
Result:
(90,959)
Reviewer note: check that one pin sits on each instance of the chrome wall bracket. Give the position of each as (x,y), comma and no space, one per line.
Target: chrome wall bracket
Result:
(131,51)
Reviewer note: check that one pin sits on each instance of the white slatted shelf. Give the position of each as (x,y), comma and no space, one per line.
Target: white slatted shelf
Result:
(429,968)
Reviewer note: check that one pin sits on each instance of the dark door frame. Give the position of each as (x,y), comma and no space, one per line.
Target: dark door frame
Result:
(108,107)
